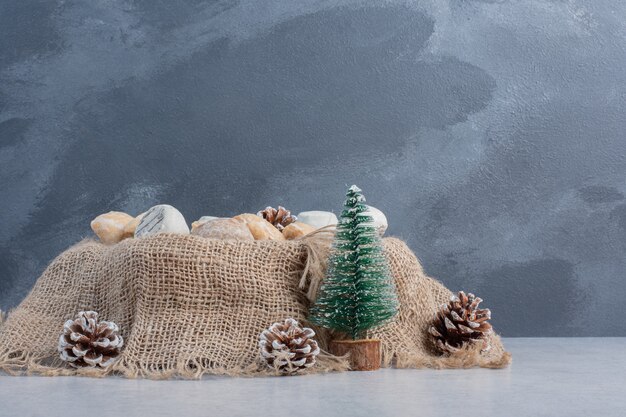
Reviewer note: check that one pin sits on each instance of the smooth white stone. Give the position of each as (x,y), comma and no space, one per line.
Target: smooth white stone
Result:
(380,220)
(162,219)
(317,218)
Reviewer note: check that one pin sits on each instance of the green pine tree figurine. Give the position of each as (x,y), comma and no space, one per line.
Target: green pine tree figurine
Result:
(358,293)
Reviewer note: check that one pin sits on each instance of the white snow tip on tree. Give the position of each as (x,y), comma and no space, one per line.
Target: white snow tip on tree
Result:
(354,189)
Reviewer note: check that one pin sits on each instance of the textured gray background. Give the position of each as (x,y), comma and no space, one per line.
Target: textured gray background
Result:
(490,132)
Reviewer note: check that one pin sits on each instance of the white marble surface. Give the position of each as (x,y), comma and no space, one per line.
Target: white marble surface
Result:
(549,377)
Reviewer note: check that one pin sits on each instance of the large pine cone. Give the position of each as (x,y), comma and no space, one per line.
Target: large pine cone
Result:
(287,347)
(460,322)
(87,342)
(280,217)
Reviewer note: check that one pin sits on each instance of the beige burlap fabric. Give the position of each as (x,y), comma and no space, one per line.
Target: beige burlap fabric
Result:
(189,306)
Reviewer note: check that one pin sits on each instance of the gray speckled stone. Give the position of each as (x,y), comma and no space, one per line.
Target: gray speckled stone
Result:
(229,229)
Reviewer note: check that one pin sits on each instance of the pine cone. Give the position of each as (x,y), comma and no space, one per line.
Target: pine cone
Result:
(460,322)
(279,218)
(287,347)
(87,342)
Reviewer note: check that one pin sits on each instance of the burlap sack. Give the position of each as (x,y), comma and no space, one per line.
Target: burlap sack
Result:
(189,306)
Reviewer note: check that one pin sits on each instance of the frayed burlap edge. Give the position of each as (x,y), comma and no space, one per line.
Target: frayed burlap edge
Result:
(20,364)
(468,357)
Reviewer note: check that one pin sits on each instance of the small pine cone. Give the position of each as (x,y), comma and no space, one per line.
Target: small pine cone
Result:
(280,217)
(87,342)
(287,347)
(460,322)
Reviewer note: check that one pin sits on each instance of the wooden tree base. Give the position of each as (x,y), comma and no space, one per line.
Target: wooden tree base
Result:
(364,354)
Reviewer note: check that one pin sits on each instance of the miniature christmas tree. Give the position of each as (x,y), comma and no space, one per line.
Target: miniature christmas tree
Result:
(357,293)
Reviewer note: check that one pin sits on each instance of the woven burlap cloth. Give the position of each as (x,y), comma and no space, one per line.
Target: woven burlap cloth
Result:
(189,306)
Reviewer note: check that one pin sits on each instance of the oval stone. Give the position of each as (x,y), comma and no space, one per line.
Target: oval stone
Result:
(162,219)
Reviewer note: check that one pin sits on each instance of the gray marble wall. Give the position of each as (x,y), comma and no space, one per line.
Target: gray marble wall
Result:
(490,132)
